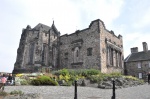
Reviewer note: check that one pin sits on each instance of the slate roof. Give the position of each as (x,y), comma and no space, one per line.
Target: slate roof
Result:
(44,27)
(138,56)
(54,28)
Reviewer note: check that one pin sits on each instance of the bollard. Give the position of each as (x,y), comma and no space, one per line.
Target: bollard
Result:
(114,96)
(75,91)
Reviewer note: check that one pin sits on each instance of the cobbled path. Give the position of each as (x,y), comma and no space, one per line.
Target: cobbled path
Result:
(63,92)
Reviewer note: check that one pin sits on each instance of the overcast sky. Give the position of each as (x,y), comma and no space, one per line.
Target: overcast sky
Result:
(130,18)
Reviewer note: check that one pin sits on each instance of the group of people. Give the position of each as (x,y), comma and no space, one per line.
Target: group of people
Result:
(7,79)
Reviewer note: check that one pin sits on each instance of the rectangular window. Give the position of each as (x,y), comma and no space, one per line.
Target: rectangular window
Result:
(140,75)
(139,65)
(89,52)
(149,64)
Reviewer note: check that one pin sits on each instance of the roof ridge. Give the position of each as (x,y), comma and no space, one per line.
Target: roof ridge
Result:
(128,57)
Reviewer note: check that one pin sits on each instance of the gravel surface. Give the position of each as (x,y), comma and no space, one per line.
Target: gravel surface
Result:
(64,92)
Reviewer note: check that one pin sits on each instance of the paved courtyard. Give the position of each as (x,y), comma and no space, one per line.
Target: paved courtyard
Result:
(63,92)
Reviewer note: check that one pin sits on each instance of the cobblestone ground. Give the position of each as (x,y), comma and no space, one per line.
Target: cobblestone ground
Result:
(63,92)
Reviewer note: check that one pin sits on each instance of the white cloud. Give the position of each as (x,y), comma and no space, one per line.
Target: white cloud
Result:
(134,40)
(105,10)
(144,20)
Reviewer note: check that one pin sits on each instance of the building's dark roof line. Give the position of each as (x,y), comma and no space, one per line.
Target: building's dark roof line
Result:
(44,27)
(138,56)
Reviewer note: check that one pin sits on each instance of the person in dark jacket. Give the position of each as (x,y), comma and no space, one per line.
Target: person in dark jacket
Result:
(10,79)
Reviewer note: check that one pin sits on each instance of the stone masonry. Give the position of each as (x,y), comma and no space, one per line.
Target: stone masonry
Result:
(138,62)
(94,47)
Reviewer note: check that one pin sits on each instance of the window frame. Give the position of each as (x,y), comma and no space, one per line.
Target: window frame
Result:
(140,75)
(89,51)
(139,65)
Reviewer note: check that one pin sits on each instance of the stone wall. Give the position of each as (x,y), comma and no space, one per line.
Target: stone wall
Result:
(132,68)
(95,37)
(109,39)
(88,48)
(80,41)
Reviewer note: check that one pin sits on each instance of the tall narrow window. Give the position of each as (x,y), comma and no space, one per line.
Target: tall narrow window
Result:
(139,65)
(31,53)
(140,75)
(108,56)
(111,57)
(89,52)
(77,53)
(43,54)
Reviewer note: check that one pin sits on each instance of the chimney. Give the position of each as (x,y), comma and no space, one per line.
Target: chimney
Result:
(134,50)
(145,47)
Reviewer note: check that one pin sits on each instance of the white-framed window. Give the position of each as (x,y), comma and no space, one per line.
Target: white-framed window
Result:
(149,64)
(140,75)
(139,65)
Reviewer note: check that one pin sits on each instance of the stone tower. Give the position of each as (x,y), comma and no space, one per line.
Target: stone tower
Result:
(38,48)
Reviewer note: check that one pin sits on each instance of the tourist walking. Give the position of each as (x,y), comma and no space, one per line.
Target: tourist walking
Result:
(148,77)
(10,79)
(3,81)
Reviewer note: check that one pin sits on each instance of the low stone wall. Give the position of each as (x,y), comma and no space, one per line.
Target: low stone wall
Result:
(107,83)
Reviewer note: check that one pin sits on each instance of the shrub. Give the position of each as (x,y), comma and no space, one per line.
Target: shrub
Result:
(69,83)
(16,92)
(110,76)
(130,78)
(36,82)
(44,80)
(72,72)
(19,75)
(95,78)
(61,72)
(92,72)
(73,78)
(23,82)
(84,72)
(116,74)
(66,77)
(64,72)
(3,93)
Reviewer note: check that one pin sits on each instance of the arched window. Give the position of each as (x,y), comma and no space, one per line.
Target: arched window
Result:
(77,53)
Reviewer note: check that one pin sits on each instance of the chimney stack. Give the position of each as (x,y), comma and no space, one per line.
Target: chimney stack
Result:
(145,47)
(134,50)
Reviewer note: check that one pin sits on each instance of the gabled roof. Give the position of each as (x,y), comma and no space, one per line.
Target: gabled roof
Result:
(54,28)
(44,27)
(138,56)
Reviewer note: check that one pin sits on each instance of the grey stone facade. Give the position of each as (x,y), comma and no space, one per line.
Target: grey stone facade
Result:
(93,47)
(138,63)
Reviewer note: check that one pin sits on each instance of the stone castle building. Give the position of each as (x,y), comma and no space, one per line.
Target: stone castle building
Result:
(94,47)
(138,63)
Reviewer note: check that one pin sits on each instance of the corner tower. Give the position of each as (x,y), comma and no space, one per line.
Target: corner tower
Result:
(38,49)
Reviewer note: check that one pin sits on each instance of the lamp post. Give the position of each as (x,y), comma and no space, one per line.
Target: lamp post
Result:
(75,93)
(113,90)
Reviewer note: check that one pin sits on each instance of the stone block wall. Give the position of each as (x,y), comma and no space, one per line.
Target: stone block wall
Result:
(80,41)
(116,42)
(87,48)
(132,68)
